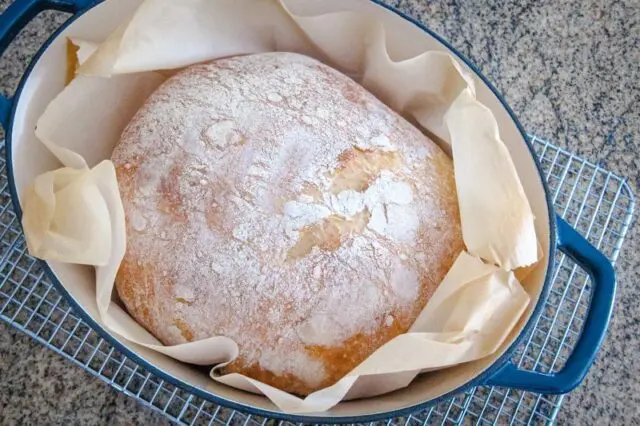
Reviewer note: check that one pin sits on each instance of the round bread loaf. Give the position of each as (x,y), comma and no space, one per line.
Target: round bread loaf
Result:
(271,199)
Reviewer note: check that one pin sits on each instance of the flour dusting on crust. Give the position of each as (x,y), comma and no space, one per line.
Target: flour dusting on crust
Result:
(271,199)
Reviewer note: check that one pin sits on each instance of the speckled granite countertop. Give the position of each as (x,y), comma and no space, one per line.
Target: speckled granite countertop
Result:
(569,69)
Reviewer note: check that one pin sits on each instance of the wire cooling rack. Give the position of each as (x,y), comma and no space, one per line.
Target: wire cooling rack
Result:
(597,203)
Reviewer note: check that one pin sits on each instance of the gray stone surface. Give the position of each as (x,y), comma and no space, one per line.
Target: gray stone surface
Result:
(569,69)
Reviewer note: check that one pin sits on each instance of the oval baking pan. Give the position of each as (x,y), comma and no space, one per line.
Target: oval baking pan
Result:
(27,158)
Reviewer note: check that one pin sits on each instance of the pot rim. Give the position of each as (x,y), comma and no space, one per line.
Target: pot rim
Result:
(481,379)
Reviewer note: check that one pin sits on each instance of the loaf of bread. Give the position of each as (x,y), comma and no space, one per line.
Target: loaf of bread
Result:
(271,199)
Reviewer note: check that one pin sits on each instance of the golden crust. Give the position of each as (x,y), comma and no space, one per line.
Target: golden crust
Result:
(178,306)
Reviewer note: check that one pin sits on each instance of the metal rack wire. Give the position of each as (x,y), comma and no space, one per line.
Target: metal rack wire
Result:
(597,203)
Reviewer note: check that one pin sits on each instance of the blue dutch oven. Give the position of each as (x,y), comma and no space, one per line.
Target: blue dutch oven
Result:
(27,158)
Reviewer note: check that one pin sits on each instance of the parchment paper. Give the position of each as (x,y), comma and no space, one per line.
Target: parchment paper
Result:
(473,309)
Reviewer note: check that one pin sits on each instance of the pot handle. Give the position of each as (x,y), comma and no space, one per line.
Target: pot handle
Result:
(19,14)
(603,278)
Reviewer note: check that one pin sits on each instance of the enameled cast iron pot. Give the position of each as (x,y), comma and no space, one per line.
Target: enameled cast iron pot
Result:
(27,158)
